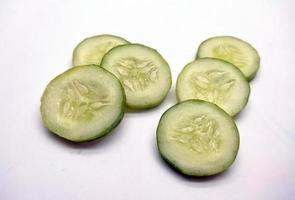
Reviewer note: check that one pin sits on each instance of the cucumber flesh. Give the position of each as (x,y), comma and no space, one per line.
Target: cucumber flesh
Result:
(92,49)
(143,72)
(197,138)
(233,50)
(83,103)
(215,81)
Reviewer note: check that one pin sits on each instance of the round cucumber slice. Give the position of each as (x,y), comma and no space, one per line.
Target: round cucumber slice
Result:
(233,50)
(215,81)
(198,138)
(92,49)
(83,103)
(143,72)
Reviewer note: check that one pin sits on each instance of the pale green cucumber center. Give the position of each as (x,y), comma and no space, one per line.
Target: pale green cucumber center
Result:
(99,51)
(136,74)
(82,99)
(232,54)
(214,85)
(199,134)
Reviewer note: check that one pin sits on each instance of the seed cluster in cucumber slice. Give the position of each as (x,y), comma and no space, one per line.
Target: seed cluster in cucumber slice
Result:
(197,138)
(233,50)
(143,72)
(215,81)
(198,135)
(91,50)
(88,101)
(83,103)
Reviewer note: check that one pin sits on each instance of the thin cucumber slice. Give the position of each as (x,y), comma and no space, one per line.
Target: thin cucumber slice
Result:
(198,138)
(233,50)
(215,81)
(83,103)
(92,49)
(143,72)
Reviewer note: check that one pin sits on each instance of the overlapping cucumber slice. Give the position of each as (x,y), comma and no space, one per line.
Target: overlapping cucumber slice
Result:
(215,81)
(233,50)
(143,72)
(91,50)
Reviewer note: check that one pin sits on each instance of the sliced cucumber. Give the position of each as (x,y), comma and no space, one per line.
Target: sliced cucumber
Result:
(233,50)
(143,72)
(83,103)
(91,50)
(215,81)
(198,138)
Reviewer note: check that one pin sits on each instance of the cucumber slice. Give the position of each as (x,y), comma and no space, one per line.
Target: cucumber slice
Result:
(198,138)
(216,81)
(143,72)
(91,50)
(83,103)
(233,50)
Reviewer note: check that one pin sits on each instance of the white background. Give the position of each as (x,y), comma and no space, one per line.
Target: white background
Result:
(36,43)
